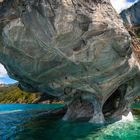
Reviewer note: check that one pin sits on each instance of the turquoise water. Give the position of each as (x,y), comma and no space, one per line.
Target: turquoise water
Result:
(135,106)
(29,122)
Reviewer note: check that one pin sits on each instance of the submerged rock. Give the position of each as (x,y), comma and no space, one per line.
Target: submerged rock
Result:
(78,51)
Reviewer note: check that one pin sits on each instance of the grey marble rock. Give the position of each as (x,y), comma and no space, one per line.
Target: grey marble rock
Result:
(76,50)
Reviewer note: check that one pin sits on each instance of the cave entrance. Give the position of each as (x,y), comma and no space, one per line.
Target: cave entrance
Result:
(112,103)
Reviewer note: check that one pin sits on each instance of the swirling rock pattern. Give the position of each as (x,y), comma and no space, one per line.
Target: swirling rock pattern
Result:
(76,50)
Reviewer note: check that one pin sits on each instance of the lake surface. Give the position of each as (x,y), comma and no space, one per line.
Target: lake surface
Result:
(29,122)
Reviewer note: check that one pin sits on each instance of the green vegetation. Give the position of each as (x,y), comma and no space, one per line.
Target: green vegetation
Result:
(137,31)
(138,34)
(12,94)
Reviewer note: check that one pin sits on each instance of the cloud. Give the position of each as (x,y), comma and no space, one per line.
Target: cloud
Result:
(3,74)
(2,82)
(4,78)
(3,71)
(119,5)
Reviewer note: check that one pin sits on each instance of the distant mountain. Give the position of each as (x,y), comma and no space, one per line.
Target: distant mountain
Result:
(131,18)
(12,94)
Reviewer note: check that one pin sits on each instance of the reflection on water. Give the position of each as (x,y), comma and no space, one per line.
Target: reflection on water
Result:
(30,125)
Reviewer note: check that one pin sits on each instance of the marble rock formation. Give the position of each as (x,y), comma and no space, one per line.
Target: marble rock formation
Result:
(76,50)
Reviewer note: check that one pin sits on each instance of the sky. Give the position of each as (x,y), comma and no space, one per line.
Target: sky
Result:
(4,78)
(119,5)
